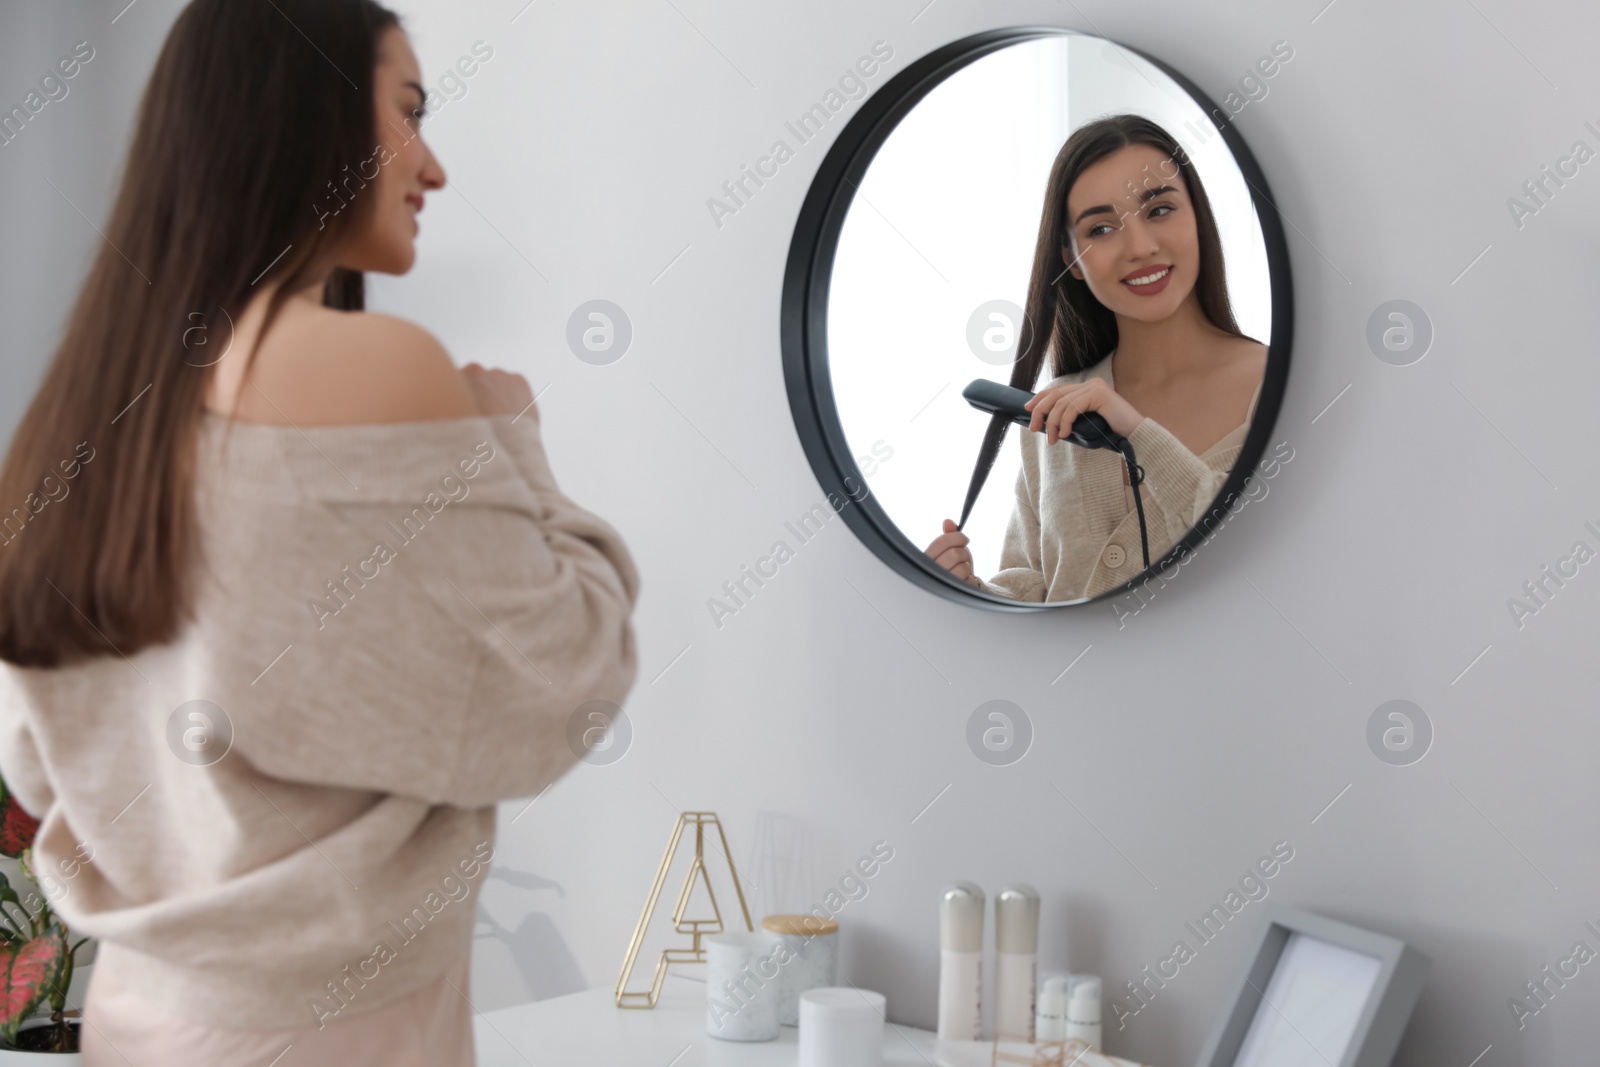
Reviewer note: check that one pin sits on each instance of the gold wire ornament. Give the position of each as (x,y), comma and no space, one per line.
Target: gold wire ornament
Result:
(1042,1054)
(696,928)
(1073,1052)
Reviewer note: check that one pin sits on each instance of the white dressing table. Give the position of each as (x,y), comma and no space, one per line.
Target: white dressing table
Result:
(588,1028)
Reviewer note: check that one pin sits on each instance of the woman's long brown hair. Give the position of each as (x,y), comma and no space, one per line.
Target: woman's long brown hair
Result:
(250,140)
(1079,330)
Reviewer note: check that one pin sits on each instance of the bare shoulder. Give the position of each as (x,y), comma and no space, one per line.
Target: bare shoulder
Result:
(1249,354)
(1249,369)
(319,366)
(1248,362)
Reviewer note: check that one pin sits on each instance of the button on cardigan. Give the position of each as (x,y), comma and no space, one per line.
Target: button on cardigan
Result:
(289,810)
(1073,505)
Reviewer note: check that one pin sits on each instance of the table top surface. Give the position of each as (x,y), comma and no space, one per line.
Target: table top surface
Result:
(588,1028)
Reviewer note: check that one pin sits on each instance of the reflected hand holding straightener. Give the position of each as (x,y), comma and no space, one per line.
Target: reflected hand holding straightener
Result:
(1089,430)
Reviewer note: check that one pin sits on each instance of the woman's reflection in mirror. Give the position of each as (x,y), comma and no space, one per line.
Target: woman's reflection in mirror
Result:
(1129,285)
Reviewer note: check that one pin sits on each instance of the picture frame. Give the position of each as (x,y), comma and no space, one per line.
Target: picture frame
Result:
(1342,993)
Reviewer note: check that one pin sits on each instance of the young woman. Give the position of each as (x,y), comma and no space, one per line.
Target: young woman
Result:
(287,601)
(1129,291)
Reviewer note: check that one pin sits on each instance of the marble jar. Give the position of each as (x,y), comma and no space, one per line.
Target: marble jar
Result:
(742,985)
(813,962)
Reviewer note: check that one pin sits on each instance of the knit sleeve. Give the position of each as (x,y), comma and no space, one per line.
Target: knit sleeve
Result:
(21,766)
(522,439)
(1182,484)
(440,635)
(1021,574)
(560,647)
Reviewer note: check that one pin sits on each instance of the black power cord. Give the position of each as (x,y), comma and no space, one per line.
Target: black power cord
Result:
(1135,477)
(1091,430)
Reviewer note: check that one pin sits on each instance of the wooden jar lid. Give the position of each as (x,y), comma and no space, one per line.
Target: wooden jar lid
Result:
(800,925)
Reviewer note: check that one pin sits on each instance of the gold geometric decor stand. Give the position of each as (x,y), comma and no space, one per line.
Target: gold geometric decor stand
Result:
(696,928)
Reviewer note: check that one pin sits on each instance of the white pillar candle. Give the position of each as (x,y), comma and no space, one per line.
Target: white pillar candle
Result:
(742,985)
(841,1027)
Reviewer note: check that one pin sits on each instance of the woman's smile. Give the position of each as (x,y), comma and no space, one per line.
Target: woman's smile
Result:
(1148,281)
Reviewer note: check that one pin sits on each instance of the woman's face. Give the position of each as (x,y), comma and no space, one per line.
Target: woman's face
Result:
(406,169)
(1130,220)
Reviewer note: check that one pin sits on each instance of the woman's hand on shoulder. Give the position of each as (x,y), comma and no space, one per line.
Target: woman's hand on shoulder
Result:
(1056,408)
(499,392)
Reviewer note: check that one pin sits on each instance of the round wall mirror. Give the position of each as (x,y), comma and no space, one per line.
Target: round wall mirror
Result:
(1036,319)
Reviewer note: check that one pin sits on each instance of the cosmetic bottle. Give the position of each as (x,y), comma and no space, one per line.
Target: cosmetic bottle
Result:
(1050,1022)
(1083,1010)
(961,963)
(1016,957)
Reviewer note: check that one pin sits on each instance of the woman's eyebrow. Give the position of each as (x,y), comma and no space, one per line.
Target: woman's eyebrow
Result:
(1106,209)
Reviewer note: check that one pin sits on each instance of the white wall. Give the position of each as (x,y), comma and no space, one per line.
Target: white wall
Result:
(831,710)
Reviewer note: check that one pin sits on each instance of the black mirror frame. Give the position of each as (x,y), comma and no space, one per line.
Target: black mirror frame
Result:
(804,317)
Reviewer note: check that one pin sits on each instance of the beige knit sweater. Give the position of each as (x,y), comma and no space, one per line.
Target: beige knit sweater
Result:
(1074,531)
(398,622)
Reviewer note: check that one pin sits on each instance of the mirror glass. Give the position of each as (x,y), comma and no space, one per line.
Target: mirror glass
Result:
(981,204)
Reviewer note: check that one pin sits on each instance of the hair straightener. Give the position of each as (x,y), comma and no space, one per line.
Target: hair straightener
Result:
(1089,430)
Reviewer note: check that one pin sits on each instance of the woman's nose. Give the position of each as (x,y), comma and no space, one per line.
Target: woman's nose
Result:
(433,175)
(1141,241)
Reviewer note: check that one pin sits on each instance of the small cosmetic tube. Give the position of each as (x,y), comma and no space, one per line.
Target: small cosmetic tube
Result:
(1050,1021)
(1083,1011)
